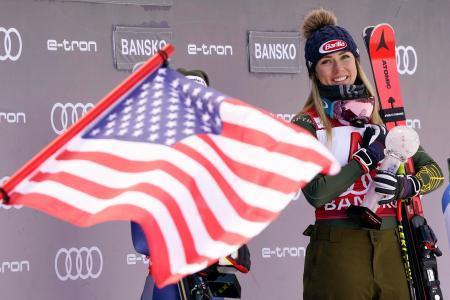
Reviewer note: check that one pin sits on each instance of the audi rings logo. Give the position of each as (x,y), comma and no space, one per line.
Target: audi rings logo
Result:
(406,58)
(12,44)
(63,115)
(82,263)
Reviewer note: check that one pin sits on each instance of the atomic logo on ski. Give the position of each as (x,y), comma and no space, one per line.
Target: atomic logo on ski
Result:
(391,101)
(382,43)
(386,74)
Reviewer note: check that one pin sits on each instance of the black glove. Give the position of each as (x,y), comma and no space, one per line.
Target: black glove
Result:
(372,148)
(394,187)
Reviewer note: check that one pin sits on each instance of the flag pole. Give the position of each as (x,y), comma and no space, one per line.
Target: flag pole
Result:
(150,66)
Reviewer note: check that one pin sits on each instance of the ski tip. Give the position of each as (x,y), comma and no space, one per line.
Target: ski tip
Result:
(367,31)
(385,25)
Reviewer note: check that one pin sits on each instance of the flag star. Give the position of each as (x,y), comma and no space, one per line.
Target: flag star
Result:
(157,94)
(190,110)
(139,125)
(174,93)
(123,131)
(129,101)
(218,121)
(142,101)
(110,124)
(189,124)
(137,132)
(188,131)
(159,78)
(199,104)
(141,109)
(190,117)
(162,71)
(140,117)
(207,95)
(220,98)
(109,132)
(155,119)
(124,124)
(112,116)
(206,128)
(153,137)
(205,117)
(143,94)
(174,100)
(186,87)
(196,91)
(154,127)
(169,141)
(188,101)
(126,117)
(172,116)
(173,108)
(210,106)
(157,102)
(145,86)
(170,132)
(171,124)
(156,111)
(175,83)
(158,86)
(127,109)
(95,132)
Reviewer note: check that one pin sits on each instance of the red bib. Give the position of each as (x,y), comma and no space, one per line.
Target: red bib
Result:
(345,141)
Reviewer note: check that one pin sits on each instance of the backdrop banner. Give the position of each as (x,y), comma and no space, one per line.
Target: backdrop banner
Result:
(59,58)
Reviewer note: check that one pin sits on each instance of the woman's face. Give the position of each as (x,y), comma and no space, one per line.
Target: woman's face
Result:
(337,68)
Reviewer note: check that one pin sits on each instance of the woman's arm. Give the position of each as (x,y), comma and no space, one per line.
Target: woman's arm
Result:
(322,189)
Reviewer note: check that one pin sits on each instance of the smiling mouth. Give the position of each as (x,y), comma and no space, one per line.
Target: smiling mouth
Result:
(340,78)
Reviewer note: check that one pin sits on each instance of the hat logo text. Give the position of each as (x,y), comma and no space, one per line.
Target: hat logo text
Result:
(332,46)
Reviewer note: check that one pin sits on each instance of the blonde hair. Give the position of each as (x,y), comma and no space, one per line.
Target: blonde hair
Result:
(315,101)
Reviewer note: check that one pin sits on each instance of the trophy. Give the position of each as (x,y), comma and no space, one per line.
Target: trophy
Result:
(401,143)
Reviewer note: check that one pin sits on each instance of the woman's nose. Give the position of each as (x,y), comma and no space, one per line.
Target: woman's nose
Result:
(337,66)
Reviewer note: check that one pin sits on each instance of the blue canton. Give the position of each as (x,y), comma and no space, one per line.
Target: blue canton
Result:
(164,109)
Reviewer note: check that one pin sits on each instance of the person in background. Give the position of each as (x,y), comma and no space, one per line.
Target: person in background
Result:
(343,259)
(238,261)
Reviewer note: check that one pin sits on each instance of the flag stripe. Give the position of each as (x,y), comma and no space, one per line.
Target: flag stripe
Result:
(173,239)
(186,220)
(261,139)
(190,166)
(241,114)
(244,211)
(53,206)
(104,193)
(117,163)
(253,174)
(160,177)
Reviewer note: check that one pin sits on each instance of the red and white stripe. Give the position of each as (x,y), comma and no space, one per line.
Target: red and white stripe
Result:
(197,200)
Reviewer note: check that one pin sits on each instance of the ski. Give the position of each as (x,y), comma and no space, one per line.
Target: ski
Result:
(418,243)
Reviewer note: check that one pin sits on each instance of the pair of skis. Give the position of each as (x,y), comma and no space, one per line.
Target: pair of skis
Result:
(417,240)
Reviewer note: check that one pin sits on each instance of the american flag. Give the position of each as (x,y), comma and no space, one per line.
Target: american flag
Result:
(200,172)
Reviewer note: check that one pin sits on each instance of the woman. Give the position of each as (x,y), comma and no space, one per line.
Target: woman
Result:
(343,259)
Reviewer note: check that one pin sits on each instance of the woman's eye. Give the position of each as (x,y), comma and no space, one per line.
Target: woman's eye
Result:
(325,61)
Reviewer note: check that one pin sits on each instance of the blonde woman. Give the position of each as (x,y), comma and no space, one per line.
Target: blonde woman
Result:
(343,259)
